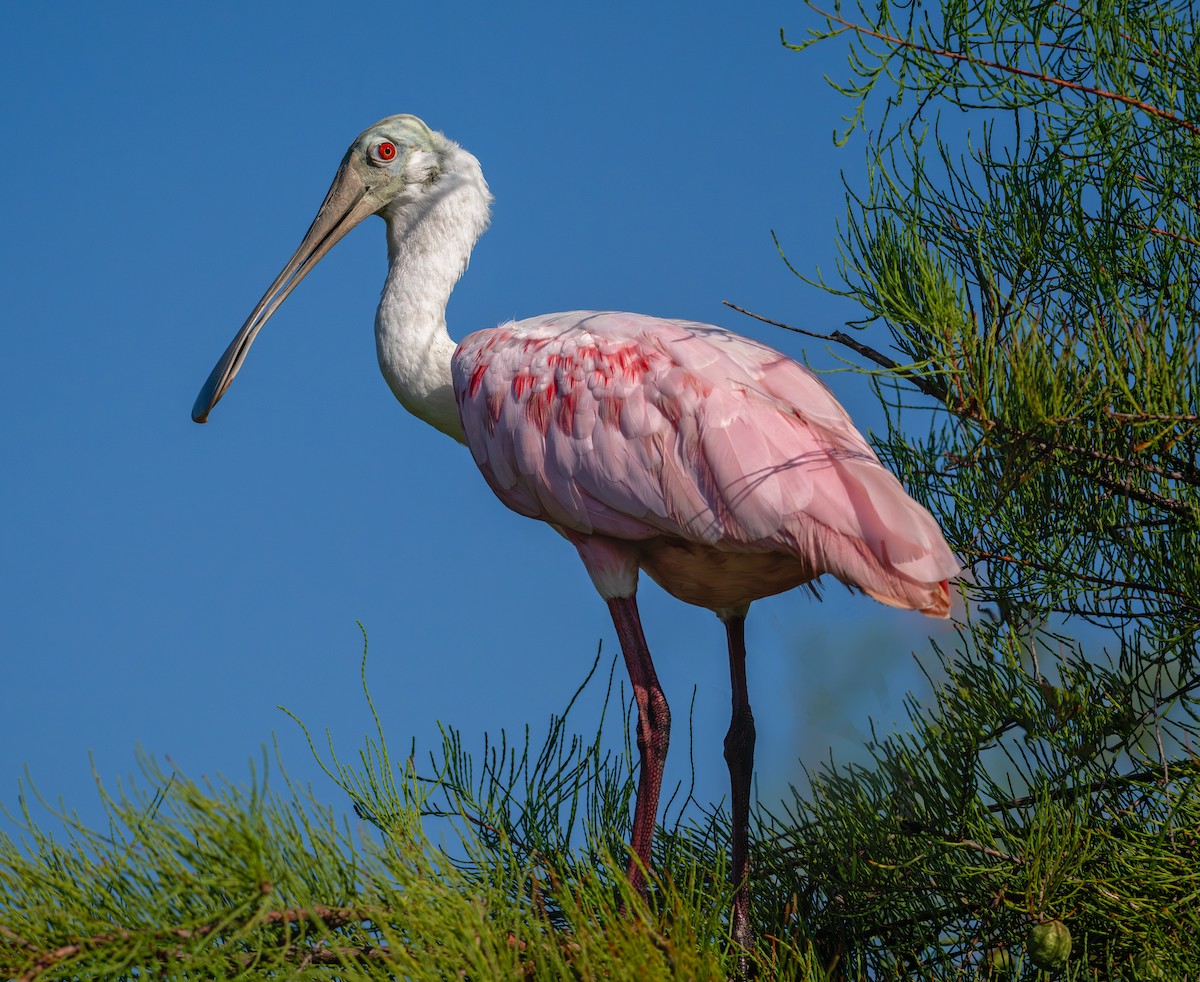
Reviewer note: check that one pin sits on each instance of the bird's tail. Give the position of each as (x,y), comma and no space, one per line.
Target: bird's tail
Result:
(895,551)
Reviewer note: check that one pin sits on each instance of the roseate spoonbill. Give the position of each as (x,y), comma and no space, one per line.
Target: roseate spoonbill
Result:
(719,466)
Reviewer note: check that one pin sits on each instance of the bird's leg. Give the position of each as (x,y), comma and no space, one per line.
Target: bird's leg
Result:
(739,755)
(653,733)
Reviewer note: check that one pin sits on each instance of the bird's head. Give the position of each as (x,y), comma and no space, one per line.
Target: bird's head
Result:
(397,160)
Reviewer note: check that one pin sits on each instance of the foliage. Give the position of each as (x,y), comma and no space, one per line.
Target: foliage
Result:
(525,880)
(1010,803)
(1027,239)
(1038,276)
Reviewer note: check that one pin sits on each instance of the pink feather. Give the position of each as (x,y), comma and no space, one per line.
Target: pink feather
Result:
(720,466)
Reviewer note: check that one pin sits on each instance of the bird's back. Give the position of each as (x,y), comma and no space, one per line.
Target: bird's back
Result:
(719,456)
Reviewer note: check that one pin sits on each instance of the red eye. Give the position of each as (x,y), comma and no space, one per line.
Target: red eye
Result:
(386,151)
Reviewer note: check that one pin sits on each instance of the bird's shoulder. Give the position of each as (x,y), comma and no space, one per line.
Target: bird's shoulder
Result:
(679,367)
(559,340)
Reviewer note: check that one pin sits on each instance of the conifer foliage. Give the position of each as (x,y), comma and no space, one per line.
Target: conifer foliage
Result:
(1025,255)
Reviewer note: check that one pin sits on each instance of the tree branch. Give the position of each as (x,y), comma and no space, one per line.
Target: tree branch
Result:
(842,338)
(962,409)
(1011,70)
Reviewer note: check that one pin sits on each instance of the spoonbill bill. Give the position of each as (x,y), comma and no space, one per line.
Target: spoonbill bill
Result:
(722,468)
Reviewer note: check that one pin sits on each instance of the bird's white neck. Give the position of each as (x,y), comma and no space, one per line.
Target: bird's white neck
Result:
(430,236)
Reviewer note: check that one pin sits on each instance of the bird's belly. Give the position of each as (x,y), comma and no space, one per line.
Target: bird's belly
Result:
(708,577)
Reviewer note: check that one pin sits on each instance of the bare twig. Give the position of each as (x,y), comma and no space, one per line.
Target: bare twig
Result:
(845,339)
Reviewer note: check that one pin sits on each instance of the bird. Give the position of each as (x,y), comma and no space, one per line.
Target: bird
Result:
(721,468)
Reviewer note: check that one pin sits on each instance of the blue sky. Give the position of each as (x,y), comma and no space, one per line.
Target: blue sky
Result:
(169,585)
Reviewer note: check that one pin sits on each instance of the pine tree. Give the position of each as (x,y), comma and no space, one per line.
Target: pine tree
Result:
(1025,255)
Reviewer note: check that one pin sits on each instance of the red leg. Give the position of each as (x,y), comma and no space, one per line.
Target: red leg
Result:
(653,732)
(739,755)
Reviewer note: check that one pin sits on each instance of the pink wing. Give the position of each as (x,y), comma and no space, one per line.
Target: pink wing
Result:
(634,427)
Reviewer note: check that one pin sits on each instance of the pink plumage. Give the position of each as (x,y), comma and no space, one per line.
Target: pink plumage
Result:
(724,469)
